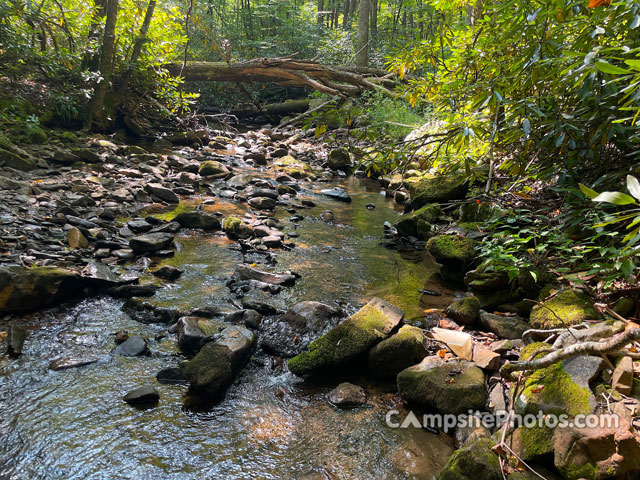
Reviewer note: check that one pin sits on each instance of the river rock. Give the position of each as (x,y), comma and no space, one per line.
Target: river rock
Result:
(572,306)
(347,395)
(23,289)
(133,346)
(142,395)
(151,242)
(350,340)
(211,168)
(474,461)
(336,193)
(596,453)
(245,272)
(189,138)
(419,223)
(213,369)
(171,375)
(133,290)
(15,339)
(139,226)
(622,379)
(200,220)
(484,358)
(262,203)
(435,189)
(250,318)
(163,193)
(465,311)
(449,387)
(339,159)
(455,253)
(75,238)
(509,327)
(400,351)
(289,334)
(66,363)
(236,229)
(145,312)
(167,272)
(193,332)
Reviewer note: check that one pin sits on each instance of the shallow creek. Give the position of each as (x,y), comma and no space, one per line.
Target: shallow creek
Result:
(74,424)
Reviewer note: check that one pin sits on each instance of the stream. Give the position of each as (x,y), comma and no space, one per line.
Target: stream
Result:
(73,423)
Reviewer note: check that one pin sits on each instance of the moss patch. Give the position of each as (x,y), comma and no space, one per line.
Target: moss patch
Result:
(418,223)
(456,254)
(465,310)
(475,461)
(572,306)
(432,189)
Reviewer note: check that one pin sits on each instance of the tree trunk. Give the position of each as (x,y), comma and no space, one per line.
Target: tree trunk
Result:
(97,117)
(137,50)
(346,18)
(332,80)
(474,12)
(320,10)
(362,54)
(374,19)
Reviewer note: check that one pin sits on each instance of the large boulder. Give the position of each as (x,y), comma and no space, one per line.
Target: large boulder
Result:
(455,253)
(434,189)
(23,289)
(400,351)
(450,387)
(215,366)
(348,341)
(572,306)
(604,451)
(290,333)
(339,159)
(419,223)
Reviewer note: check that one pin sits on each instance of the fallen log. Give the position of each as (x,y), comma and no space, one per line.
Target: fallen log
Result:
(331,80)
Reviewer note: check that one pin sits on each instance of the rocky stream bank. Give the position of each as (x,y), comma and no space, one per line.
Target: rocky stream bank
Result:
(257,283)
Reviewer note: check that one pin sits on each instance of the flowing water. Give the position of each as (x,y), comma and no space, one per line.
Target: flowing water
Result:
(74,424)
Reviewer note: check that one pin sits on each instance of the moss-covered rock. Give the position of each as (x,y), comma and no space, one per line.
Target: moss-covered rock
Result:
(464,310)
(400,351)
(450,387)
(562,388)
(432,189)
(236,229)
(475,461)
(211,168)
(36,135)
(23,289)
(477,212)
(532,443)
(572,306)
(482,279)
(197,220)
(349,340)
(292,167)
(14,160)
(509,327)
(456,254)
(531,282)
(69,137)
(419,223)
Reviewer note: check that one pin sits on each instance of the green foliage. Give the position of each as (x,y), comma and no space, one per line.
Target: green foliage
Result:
(552,83)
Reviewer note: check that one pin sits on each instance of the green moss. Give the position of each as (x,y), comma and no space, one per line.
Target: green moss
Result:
(210,371)
(465,310)
(292,167)
(572,306)
(559,394)
(452,248)
(535,441)
(402,350)
(418,223)
(476,212)
(342,344)
(235,228)
(211,168)
(473,462)
(69,137)
(431,189)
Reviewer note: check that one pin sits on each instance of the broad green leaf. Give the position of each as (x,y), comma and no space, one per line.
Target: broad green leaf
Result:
(606,67)
(635,64)
(617,198)
(634,186)
(588,192)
